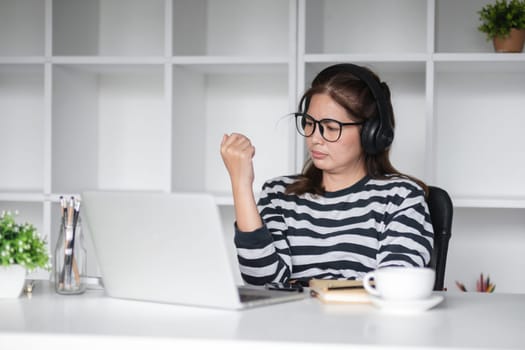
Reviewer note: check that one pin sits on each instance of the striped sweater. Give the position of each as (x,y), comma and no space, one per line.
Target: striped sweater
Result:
(337,235)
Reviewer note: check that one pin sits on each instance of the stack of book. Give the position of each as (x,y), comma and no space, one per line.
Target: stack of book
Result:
(339,291)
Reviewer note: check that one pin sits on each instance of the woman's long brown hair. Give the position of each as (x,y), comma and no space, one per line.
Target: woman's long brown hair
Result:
(354,96)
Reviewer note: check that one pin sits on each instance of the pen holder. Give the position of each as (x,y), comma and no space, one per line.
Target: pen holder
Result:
(69,268)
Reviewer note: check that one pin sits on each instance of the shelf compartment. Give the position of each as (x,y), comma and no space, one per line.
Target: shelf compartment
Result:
(22,24)
(110,128)
(485,142)
(231,27)
(212,100)
(108,27)
(358,26)
(27,212)
(22,127)
(457,27)
(407,86)
(487,241)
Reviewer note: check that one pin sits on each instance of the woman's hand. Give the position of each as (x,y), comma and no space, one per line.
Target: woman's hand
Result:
(237,153)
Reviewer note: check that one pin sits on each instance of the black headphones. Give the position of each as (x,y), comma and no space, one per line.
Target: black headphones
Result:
(377,132)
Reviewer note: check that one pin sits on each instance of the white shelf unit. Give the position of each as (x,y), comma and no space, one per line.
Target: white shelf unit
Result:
(136,94)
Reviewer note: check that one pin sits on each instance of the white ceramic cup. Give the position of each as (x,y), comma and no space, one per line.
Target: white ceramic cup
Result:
(400,283)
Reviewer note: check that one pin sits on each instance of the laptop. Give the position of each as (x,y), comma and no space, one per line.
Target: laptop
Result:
(167,248)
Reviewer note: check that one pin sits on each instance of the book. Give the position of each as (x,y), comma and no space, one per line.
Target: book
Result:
(339,291)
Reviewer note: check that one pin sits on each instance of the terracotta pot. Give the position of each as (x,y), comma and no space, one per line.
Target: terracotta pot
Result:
(511,43)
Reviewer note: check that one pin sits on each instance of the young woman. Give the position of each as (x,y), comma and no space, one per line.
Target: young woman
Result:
(350,211)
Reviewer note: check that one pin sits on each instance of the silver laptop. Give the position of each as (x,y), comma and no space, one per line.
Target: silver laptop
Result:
(167,248)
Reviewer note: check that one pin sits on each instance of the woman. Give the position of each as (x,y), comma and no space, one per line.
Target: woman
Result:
(350,211)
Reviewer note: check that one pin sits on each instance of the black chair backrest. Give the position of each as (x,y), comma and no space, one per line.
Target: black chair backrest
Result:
(441,211)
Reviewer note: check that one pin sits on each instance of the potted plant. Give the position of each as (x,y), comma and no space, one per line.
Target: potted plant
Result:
(21,250)
(504,23)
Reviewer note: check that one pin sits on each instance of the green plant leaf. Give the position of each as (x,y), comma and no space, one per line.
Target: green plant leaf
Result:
(20,244)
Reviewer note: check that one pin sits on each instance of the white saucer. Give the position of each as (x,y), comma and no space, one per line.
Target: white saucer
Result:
(406,307)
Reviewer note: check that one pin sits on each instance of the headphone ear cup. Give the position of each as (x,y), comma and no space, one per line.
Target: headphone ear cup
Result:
(384,139)
(375,139)
(368,136)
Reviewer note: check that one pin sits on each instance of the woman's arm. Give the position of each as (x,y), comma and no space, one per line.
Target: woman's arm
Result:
(264,254)
(237,153)
(260,260)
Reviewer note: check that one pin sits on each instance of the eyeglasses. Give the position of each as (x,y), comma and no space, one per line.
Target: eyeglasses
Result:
(330,129)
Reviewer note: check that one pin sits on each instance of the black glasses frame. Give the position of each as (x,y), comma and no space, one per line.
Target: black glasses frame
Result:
(300,125)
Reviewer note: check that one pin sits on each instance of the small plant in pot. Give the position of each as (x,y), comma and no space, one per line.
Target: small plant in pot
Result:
(503,22)
(22,249)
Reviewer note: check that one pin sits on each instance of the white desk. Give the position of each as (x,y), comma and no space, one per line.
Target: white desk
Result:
(91,320)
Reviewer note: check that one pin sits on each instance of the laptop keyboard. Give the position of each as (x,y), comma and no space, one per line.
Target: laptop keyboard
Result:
(245,297)
(247,294)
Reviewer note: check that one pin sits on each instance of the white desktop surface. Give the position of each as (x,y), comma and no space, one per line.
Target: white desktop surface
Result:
(463,321)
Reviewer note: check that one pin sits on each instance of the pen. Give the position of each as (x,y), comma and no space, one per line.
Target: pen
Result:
(73,265)
(461,286)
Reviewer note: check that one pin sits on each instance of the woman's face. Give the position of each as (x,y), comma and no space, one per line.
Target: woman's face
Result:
(344,156)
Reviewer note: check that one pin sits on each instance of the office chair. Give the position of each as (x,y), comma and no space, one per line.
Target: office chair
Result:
(441,211)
